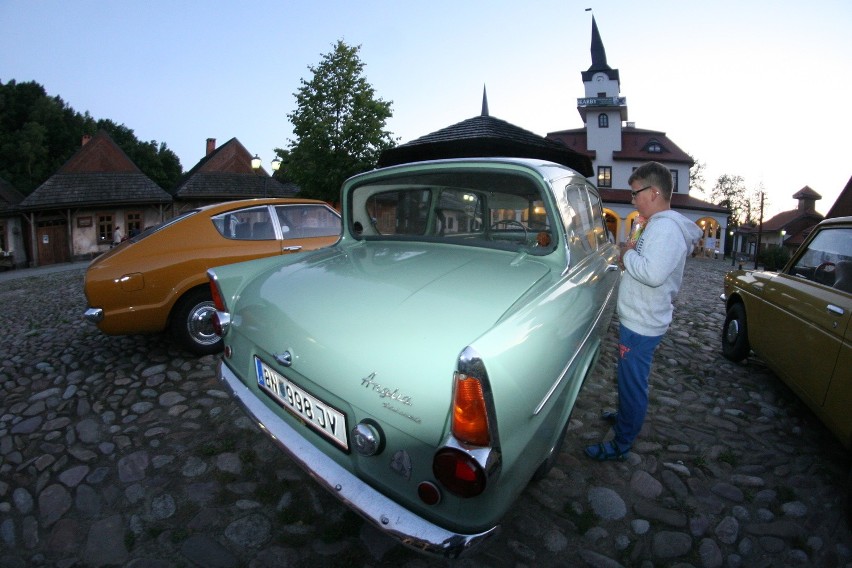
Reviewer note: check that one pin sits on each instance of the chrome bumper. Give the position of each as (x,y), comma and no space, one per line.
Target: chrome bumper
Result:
(388,516)
(94,315)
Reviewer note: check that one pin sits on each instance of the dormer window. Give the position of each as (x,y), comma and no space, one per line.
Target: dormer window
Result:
(603,120)
(653,147)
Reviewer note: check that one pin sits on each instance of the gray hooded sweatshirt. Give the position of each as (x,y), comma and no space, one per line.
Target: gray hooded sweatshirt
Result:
(653,273)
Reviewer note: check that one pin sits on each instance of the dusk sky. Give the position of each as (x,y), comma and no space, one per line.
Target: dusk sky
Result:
(752,88)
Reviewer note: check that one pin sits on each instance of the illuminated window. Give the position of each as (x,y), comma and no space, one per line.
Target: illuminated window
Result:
(604,176)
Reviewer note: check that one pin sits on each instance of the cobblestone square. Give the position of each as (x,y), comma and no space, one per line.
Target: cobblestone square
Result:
(126,451)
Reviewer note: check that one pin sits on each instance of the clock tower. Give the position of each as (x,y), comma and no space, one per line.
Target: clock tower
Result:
(602,109)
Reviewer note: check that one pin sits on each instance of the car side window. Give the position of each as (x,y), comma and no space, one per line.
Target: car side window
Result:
(827,259)
(579,220)
(306,221)
(251,224)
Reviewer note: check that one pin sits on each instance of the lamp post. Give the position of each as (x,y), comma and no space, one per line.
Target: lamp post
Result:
(733,246)
(275,164)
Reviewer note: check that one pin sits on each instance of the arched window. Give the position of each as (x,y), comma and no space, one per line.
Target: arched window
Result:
(603,120)
(653,146)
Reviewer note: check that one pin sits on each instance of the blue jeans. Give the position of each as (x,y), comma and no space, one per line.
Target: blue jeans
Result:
(635,354)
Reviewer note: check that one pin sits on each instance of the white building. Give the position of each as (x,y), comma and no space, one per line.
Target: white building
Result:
(616,148)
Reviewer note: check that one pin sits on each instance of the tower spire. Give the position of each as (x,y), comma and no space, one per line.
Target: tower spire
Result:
(484,102)
(598,51)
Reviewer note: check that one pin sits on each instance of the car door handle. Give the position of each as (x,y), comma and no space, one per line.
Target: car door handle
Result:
(611,267)
(836,310)
(291,249)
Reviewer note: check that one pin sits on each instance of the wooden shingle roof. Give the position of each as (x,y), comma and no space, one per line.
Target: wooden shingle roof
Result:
(9,197)
(843,206)
(233,185)
(226,173)
(485,136)
(98,174)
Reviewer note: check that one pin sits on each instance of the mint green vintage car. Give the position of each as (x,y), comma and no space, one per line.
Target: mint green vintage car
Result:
(424,368)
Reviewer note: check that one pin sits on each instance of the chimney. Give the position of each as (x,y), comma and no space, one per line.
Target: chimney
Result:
(86,138)
(211,146)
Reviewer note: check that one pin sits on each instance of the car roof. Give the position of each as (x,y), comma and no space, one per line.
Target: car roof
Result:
(240,203)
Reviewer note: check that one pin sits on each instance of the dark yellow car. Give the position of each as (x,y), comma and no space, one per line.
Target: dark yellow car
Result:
(158,280)
(797,321)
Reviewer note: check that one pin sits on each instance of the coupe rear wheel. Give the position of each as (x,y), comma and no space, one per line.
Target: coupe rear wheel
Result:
(735,344)
(192,325)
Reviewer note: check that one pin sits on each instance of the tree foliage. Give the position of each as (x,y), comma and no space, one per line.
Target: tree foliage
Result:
(730,192)
(696,176)
(38,133)
(339,126)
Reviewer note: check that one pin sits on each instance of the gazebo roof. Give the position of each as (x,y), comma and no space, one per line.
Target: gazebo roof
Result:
(485,136)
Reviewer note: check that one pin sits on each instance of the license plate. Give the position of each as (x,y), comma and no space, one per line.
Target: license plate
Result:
(317,414)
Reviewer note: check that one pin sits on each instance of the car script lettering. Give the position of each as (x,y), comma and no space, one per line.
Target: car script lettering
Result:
(384,392)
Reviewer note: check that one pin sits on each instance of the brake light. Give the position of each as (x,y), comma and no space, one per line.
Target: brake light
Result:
(459,472)
(221,319)
(470,419)
(216,294)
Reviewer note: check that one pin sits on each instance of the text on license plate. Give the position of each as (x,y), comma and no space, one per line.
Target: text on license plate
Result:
(320,416)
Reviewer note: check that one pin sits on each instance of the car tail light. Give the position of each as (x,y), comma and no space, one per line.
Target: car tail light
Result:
(459,472)
(221,319)
(216,293)
(470,418)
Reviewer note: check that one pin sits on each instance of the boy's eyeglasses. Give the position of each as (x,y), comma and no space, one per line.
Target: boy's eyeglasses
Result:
(638,191)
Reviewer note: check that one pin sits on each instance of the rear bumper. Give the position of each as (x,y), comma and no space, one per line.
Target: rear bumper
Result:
(388,516)
(94,315)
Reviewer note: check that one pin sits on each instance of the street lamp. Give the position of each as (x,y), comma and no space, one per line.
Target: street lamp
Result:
(733,246)
(275,164)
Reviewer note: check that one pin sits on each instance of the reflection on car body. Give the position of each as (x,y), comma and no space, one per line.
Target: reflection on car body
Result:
(157,280)
(450,329)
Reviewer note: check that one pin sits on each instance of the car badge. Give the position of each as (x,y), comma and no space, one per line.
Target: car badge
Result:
(382,391)
(284,359)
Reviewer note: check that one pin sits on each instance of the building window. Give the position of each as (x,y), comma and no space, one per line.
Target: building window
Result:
(604,176)
(133,223)
(674,180)
(105,228)
(603,120)
(3,242)
(653,147)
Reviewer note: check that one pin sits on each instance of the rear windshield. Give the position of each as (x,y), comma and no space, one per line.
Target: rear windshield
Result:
(503,210)
(151,230)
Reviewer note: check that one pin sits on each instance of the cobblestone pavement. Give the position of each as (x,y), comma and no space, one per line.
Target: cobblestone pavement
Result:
(126,451)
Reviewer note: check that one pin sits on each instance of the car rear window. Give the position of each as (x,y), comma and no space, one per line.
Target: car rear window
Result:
(502,210)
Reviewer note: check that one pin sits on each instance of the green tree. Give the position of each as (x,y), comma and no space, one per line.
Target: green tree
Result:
(154,159)
(339,125)
(730,192)
(38,134)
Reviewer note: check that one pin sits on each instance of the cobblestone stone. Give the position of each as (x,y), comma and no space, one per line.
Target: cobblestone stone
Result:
(126,451)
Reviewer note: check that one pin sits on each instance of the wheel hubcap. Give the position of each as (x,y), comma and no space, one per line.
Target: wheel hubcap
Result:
(200,324)
(733,331)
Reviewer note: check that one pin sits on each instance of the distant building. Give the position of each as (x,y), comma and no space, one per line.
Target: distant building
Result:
(12,250)
(75,212)
(225,174)
(790,228)
(616,148)
(843,205)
